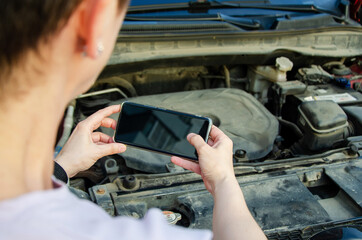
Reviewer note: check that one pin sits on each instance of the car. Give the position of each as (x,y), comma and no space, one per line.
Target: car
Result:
(282,79)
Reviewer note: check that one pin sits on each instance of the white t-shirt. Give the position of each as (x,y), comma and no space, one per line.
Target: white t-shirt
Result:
(58,214)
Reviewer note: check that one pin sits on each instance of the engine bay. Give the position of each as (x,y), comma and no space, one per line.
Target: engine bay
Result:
(289,119)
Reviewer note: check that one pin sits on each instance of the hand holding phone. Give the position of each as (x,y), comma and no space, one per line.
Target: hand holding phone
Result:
(160,130)
(85,147)
(215,158)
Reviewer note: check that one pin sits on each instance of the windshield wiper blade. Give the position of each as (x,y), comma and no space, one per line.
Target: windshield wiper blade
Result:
(237,21)
(291,8)
(158,7)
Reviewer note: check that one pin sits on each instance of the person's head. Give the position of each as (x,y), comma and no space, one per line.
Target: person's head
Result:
(76,36)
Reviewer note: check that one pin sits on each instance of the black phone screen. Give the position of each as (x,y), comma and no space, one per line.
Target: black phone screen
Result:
(160,130)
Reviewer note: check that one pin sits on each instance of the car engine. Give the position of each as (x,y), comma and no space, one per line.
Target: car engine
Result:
(283,115)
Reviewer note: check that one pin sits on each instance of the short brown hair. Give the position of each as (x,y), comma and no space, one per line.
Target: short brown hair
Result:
(23,23)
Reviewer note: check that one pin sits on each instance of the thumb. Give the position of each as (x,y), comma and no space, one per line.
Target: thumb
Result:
(109,149)
(197,141)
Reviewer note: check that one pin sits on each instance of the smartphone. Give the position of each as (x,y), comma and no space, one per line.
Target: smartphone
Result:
(160,130)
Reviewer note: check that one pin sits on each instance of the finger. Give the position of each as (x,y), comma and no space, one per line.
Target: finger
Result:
(196,140)
(187,164)
(109,149)
(109,123)
(218,136)
(210,142)
(94,120)
(99,137)
(216,133)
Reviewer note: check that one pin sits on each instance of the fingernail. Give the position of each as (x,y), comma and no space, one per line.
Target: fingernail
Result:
(123,147)
(190,135)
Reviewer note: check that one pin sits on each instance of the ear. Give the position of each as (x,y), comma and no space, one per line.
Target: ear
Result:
(96,16)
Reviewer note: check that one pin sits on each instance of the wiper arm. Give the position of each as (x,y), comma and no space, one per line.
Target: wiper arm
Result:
(239,21)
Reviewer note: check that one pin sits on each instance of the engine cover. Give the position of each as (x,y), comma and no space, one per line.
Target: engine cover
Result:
(238,114)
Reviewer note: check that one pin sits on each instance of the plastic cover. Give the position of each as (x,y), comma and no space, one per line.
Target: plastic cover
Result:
(246,121)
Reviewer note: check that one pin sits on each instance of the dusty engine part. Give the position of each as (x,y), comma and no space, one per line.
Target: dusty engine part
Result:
(337,68)
(110,166)
(261,77)
(314,75)
(320,92)
(282,90)
(156,80)
(354,114)
(251,127)
(344,76)
(324,123)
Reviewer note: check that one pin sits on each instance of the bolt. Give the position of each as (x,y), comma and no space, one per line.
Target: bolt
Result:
(110,163)
(239,153)
(353,149)
(129,182)
(100,191)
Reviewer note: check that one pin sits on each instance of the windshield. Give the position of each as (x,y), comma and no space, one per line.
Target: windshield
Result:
(236,16)
(331,6)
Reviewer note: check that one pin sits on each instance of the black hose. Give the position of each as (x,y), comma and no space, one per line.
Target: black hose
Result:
(292,126)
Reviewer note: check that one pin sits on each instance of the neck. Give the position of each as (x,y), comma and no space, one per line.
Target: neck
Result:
(28,124)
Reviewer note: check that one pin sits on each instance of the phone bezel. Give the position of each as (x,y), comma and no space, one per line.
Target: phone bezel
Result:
(164,110)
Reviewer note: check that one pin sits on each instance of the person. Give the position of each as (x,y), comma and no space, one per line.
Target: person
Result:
(52,51)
